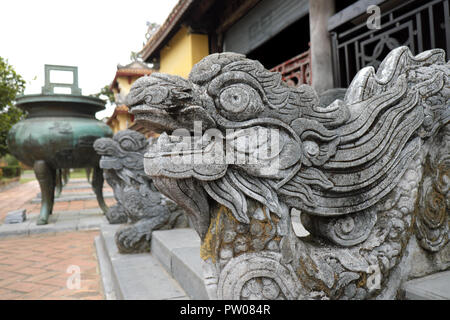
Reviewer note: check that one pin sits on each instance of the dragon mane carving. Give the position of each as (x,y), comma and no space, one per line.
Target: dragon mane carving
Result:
(366,176)
(138,201)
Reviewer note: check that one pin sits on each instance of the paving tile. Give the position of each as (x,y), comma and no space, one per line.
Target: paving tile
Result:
(30,271)
(58,281)
(34,259)
(22,286)
(12,279)
(16,197)
(37,293)
(41,270)
(6,274)
(42,277)
(10,295)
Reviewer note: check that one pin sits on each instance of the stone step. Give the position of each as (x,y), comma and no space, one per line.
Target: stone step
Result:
(77,186)
(77,180)
(83,186)
(432,287)
(80,212)
(178,250)
(76,197)
(105,269)
(70,194)
(59,221)
(133,276)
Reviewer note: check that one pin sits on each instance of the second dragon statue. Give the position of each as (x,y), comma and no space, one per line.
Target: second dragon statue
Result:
(138,201)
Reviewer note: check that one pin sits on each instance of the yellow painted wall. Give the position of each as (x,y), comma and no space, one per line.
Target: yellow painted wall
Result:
(124,85)
(121,122)
(199,48)
(114,125)
(124,120)
(183,51)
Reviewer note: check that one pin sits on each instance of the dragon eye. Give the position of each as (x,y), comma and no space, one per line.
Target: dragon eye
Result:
(128,144)
(240,100)
(234,99)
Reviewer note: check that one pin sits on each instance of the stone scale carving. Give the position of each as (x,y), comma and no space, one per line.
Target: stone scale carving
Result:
(138,201)
(367,176)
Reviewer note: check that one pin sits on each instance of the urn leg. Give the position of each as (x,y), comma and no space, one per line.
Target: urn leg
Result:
(65,176)
(46,177)
(59,183)
(97,186)
(88,174)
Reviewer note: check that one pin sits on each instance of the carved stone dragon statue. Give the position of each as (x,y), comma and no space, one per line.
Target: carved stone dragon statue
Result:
(367,176)
(138,201)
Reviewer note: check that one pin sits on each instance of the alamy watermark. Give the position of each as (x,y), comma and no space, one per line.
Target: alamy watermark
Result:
(257,146)
(374,20)
(374,280)
(74,280)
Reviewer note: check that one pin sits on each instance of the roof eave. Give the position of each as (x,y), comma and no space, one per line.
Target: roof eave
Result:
(130,73)
(159,39)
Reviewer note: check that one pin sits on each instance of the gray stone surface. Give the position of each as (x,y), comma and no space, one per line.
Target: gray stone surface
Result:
(76,197)
(432,287)
(82,212)
(77,181)
(186,268)
(369,172)
(137,276)
(58,222)
(89,223)
(77,186)
(17,216)
(165,242)
(70,194)
(62,225)
(11,230)
(178,250)
(46,228)
(425,262)
(105,269)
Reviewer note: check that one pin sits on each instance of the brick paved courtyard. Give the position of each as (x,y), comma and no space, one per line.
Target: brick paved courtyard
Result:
(20,197)
(35,267)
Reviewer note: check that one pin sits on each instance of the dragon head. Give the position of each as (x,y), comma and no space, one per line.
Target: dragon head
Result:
(231,105)
(234,135)
(126,148)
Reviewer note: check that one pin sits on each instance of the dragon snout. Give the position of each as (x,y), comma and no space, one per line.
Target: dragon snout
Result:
(160,91)
(105,147)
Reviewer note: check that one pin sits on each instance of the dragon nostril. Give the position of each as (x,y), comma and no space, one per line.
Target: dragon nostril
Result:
(311,148)
(347,225)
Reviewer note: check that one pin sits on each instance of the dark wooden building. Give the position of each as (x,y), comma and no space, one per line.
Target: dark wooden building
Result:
(320,42)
